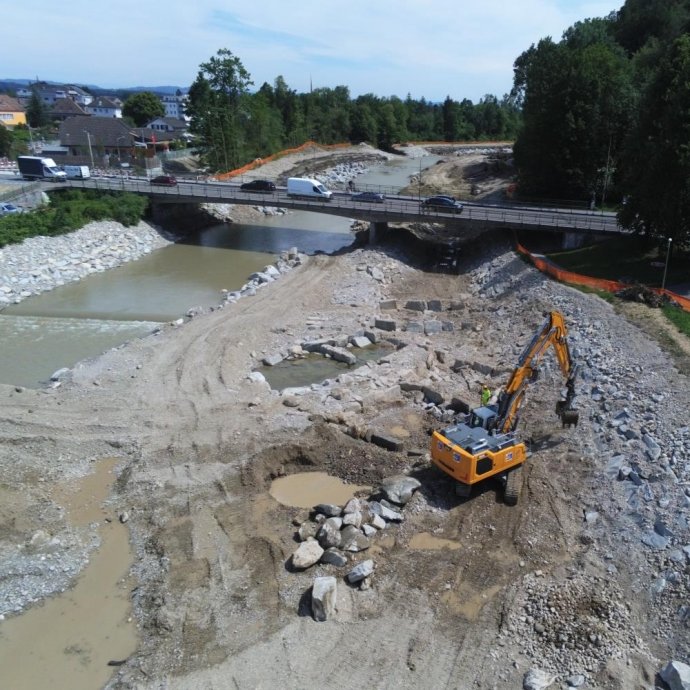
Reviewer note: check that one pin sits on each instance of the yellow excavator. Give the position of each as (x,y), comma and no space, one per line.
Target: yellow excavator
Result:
(484,444)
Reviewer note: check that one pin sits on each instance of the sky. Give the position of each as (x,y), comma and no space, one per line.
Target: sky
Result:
(427,48)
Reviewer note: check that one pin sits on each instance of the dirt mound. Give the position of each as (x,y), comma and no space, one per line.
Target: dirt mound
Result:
(643,295)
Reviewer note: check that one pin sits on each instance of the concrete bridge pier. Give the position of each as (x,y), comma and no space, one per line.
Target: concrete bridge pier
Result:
(377,231)
(573,240)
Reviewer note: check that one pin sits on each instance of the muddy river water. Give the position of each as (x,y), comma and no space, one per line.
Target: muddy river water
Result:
(80,320)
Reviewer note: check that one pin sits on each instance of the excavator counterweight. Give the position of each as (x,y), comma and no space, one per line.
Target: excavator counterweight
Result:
(484,443)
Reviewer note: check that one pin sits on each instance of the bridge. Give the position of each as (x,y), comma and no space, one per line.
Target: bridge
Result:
(394,208)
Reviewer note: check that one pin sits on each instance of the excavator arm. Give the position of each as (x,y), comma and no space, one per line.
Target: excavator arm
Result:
(553,333)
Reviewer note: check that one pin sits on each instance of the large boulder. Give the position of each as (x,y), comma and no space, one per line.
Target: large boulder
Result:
(676,675)
(360,571)
(536,679)
(308,553)
(323,597)
(399,488)
(329,533)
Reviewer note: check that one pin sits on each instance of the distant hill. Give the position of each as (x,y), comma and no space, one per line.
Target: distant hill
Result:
(14,84)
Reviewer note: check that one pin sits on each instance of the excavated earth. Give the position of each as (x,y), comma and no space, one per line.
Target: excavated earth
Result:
(587,578)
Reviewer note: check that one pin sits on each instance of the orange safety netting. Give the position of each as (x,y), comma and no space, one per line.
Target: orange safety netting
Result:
(275,156)
(561,274)
(328,147)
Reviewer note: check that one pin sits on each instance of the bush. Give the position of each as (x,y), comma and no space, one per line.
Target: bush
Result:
(70,209)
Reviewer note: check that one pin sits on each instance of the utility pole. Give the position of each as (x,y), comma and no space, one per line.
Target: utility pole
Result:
(88,138)
(668,252)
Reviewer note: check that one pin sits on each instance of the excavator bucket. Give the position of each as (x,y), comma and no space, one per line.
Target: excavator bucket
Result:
(569,415)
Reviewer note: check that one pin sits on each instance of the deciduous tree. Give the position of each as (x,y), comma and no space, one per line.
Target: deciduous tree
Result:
(143,107)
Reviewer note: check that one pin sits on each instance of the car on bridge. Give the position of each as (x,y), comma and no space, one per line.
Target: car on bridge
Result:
(164,180)
(258,186)
(371,197)
(441,203)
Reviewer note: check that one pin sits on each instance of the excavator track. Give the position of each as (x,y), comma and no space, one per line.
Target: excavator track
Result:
(511,492)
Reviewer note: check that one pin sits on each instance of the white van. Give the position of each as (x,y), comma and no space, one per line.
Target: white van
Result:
(305,186)
(77,172)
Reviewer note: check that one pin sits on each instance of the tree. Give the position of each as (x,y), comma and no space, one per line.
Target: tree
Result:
(220,111)
(577,101)
(143,107)
(656,177)
(36,113)
(5,142)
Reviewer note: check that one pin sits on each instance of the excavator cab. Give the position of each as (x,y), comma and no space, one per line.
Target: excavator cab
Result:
(484,417)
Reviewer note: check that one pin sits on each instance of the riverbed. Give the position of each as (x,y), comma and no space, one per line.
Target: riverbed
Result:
(44,333)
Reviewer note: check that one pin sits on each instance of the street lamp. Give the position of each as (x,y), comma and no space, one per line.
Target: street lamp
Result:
(119,154)
(668,252)
(88,138)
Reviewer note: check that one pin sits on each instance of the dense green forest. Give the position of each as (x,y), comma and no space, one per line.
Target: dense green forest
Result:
(235,125)
(606,115)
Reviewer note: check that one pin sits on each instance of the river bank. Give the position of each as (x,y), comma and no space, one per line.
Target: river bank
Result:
(39,264)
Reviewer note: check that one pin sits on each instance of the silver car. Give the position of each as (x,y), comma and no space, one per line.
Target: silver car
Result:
(6,208)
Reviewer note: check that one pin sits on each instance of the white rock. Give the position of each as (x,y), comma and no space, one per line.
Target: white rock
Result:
(307,554)
(323,598)
(677,675)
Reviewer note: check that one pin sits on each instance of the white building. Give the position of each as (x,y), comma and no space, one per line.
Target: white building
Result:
(174,105)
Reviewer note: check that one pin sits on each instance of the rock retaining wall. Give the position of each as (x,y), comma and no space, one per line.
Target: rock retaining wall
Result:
(40,264)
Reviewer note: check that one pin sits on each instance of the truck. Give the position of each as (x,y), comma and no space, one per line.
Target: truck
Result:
(77,172)
(484,444)
(307,187)
(38,168)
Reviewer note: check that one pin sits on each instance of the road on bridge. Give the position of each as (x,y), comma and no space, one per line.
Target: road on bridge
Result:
(400,209)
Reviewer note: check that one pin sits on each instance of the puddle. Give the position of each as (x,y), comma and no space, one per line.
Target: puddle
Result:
(67,642)
(314,368)
(399,432)
(307,489)
(468,602)
(425,541)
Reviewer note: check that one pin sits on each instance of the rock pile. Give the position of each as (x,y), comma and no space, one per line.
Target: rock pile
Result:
(286,262)
(635,513)
(339,176)
(332,533)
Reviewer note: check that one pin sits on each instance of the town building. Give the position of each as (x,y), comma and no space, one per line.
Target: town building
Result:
(11,112)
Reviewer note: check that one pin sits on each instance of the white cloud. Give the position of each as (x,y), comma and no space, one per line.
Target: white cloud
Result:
(429,48)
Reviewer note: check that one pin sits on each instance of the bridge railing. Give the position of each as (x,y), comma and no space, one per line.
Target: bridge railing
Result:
(393,209)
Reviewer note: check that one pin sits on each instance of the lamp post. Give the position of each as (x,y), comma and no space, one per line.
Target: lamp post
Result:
(119,154)
(88,138)
(668,252)
(419,181)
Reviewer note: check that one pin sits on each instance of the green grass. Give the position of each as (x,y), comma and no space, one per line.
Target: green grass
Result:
(69,210)
(604,294)
(626,259)
(679,318)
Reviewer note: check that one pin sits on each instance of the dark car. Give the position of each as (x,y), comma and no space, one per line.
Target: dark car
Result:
(165,180)
(258,186)
(441,203)
(371,197)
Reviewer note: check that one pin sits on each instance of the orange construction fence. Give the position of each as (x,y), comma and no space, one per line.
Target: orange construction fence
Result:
(329,147)
(545,266)
(275,156)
